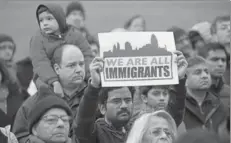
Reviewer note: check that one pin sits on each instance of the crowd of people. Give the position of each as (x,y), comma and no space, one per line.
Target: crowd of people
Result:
(55,94)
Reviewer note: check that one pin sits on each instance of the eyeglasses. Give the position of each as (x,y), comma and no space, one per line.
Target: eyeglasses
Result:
(53,119)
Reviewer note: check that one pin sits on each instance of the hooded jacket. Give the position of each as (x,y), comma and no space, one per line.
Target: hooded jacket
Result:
(42,46)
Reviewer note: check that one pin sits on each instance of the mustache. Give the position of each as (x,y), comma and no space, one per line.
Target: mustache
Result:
(124,111)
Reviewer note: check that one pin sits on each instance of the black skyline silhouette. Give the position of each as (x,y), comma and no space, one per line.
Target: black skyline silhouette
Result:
(146,50)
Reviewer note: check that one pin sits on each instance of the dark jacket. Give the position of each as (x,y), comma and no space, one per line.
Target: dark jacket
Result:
(227,76)
(24,72)
(3,138)
(222,91)
(211,114)
(176,103)
(90,131)
(20,128)
(42,46)
(15,99)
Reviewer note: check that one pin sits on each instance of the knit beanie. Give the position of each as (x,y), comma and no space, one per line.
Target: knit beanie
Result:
(44,103)
(198,136)
(75,5)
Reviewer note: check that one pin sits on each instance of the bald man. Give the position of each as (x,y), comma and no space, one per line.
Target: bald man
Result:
(68,63)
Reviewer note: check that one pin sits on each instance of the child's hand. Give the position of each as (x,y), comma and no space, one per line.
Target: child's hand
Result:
(58,89)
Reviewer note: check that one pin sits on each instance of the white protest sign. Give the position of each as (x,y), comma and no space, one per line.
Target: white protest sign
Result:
(138,59)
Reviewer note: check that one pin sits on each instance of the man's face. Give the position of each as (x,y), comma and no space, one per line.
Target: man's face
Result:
(223,32)
(217,62)
(157,98)
(198,77)
(158,131)
(6,50)
(76,19)
(137,24)
(48,23)
(183,44)
(119,106)
(72,67)
(53,126)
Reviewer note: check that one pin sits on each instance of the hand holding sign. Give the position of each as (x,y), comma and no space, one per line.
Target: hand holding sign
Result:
(182,64)
(96,67)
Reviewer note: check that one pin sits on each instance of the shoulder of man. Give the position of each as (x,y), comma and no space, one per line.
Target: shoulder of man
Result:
(28,103)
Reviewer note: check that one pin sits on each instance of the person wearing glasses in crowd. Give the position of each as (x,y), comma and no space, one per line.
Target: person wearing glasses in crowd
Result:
(49,120)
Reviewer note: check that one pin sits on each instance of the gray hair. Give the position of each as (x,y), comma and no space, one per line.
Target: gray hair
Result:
(141,124)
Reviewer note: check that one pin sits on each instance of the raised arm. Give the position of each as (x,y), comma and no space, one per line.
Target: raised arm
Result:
(88,106)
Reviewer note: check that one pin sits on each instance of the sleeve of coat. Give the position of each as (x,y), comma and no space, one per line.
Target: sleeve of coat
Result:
(176,106)
(20,127)
(84,46)
(40,61)
(86,116)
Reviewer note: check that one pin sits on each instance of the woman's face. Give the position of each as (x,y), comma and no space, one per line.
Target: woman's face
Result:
(158,131)
(137,24)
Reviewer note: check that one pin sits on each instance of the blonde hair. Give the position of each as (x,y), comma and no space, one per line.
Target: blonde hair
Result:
(141,124)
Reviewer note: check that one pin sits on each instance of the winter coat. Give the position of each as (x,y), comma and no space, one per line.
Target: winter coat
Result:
(42,46)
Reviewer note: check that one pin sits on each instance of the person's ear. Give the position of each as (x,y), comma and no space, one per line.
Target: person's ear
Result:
(144,98)
(102,108)
(34,131)
(56,68)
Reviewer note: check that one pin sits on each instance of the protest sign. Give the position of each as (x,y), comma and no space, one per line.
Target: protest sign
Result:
(138,59)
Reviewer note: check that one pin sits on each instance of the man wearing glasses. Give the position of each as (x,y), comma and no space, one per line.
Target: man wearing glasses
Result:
(49,120)
(50,117)
(68,63)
